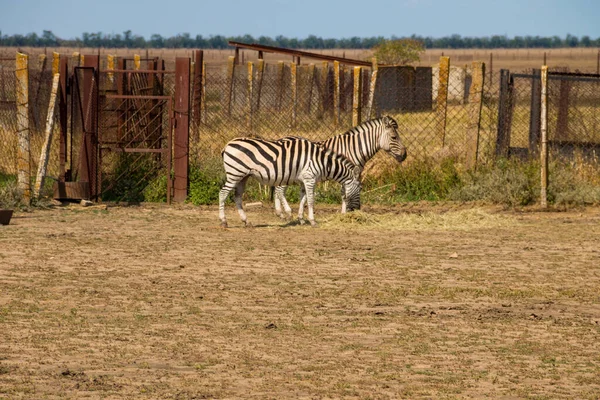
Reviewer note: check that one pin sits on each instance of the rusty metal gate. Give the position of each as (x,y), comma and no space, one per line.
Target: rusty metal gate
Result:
(120,145)
(135,140)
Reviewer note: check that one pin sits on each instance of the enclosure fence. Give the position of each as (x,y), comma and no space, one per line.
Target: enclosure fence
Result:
(464,113)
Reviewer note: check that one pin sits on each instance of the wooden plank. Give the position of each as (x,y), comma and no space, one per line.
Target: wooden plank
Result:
(43,164)
(372,85)
(356,97)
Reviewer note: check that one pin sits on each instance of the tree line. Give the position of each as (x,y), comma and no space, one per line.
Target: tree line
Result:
(130,40)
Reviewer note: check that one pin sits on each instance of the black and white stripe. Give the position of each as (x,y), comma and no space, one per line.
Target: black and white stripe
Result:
(359,145)
(281,162)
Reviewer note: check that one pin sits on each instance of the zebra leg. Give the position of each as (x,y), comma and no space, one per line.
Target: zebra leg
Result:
(279,200)
(302,202)
(222,197)
(239,191)
(310,198)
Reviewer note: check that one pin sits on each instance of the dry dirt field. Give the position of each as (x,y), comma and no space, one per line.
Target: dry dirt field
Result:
(414,301)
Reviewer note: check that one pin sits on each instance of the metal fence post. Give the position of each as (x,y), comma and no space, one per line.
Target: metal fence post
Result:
(357,97)
(336,93)
(544,137)
(63,71)
(442,98)
(182,128)
(505,111)
(24,151)
(475,102)
(88,160)
(534,119)
(197,101)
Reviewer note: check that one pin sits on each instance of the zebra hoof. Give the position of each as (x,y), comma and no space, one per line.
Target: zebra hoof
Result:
(314,224)
(302,222)
(248,225)
(224,224)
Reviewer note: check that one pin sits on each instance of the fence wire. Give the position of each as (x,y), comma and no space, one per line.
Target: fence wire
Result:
(316,101)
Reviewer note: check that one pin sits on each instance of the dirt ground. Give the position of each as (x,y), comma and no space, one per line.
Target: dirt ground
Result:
(419,301)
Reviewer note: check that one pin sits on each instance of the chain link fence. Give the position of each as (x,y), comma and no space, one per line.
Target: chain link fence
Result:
(471,116)
(8,117)
(38,89)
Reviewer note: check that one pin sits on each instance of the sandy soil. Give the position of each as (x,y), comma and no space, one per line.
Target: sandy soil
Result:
(423,301)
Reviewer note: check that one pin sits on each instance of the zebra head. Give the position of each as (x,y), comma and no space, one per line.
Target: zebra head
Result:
(390,139)
(351,190)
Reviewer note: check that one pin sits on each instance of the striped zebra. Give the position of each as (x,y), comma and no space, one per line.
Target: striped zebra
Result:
(359,145)
(282,162)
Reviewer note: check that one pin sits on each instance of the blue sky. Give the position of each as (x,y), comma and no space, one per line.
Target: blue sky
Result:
(301,18)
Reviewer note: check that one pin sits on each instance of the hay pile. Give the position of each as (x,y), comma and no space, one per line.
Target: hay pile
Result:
(451,220)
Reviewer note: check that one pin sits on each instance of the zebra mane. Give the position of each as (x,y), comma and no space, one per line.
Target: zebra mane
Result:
(358,128)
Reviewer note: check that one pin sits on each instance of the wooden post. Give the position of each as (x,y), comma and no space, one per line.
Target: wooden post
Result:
(250,87)
(475,102)
(110,65)
(544,137)
(357,97)
(230,72)
(43,164)
(260,75)
(323,88)
(442,98)
(311,82)
(24,151)
(182,129)
(294,87)
(336,93)
(55,63)
(136,62)
(505,111)
(372,84)
(76,59)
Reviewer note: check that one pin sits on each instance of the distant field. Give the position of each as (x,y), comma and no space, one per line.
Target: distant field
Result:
(583,59)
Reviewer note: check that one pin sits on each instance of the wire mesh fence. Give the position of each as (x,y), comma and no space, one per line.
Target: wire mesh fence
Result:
(464,113)
(8,117)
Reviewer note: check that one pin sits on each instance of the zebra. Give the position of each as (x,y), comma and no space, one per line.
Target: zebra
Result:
(282,162)
(359,145)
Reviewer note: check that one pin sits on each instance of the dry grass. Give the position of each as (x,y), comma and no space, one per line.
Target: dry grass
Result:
(458,220)
(159,302)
